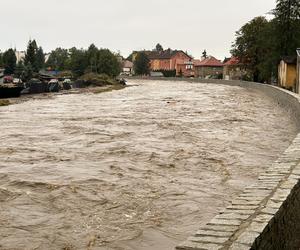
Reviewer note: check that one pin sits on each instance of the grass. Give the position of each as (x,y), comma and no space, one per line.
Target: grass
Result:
(4,102)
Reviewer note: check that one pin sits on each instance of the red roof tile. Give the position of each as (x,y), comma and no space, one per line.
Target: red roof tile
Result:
(209,62)
(232,61)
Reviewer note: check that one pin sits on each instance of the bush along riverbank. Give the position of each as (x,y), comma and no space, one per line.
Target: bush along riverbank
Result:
(88,83)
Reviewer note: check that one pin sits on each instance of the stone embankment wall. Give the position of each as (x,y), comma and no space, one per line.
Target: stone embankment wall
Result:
(266,215)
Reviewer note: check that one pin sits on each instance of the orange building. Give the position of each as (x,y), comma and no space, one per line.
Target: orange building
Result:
(170,60)
(287,73)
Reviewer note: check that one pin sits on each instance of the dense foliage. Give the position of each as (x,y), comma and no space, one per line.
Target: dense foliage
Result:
(167,73)
(1,60)
(34,57)
(58,59)
(159,47)
(77,61)
(9,61)
(80,61)
(141,64)
(261,43)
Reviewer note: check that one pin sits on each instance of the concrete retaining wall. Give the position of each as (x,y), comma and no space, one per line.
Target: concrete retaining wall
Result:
(266,215)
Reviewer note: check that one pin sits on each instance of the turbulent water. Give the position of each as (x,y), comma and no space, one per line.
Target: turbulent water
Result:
(135,169)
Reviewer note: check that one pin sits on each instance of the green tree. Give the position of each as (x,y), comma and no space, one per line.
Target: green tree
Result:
(78,61)
(251,47)
(287,18)
(40,58)
(108,63)
(28,72)
(1,60)
(30,56)
(9,61)
(92,57)
(58,59)
(141,64)
(20,70)
(159,48)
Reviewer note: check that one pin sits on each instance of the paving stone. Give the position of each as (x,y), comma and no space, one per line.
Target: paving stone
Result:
(281,195)
(225,222)
(208,239)
(188,245)
(243,212)
(289,184)
(246,202)
(257,226)
(248,238)
(269,210)
(251,198)
(203,232)
(221,228)
(233,216)
(273,204)
(238,246)
(293,176)
(241,207)
(263,218)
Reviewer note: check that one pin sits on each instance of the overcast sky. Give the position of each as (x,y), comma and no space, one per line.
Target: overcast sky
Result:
(126,25)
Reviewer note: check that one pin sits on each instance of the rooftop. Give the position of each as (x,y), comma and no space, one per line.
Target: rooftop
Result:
(209,62)
(290,59)
(232,61)
(166,54)
(127,64)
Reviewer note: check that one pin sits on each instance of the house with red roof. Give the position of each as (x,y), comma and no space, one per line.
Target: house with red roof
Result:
(234,69)
(186,68)
(169,59)
(209,67)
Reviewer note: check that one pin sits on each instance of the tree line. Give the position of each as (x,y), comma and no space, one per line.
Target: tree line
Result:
(76,61)
(261,43)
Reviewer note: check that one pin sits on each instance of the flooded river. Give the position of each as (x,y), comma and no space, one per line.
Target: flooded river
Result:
(136,169)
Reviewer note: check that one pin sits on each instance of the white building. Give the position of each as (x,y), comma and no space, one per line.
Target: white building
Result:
(20,55)
(127,68)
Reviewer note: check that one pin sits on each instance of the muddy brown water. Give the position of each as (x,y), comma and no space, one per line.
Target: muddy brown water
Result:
(136,169)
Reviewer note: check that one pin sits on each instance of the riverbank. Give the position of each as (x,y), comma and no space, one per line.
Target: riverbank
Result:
(47,95)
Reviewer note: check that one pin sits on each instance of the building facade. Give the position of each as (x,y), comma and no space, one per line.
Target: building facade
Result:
(168,60)
(20,55)
(127,67)
(209,67)
(186,68)
(234,70)
(287,73)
